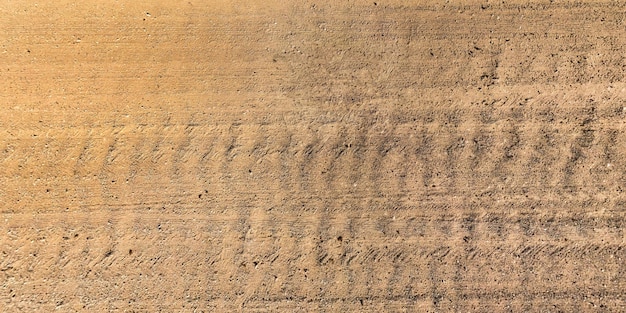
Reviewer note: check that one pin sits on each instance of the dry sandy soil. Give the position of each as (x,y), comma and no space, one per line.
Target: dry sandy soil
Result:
(313,156)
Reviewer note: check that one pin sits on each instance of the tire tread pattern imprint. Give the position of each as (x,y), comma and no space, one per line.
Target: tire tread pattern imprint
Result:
(290,156)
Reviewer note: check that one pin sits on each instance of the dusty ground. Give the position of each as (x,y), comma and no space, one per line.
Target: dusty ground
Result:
(299,156)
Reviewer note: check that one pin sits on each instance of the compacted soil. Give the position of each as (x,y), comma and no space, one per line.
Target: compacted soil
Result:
(313,156)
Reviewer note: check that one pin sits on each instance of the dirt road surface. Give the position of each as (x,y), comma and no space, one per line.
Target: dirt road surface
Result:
(313,156)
